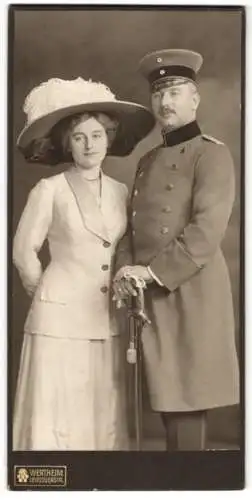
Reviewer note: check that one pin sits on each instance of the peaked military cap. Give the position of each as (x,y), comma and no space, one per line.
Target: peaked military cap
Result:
(164,66)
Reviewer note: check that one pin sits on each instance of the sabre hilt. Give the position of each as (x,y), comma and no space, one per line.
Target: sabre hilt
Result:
(138,316)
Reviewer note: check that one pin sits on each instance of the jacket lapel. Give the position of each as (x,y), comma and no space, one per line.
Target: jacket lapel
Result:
(89,209)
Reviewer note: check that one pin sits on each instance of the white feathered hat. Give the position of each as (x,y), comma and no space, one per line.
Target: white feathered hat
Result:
(56,99)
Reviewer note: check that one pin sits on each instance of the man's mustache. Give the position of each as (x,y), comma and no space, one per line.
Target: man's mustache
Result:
(166,110)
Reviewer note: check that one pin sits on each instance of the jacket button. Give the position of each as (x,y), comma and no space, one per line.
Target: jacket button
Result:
(105,267)
(169,187)
(174,166)
(141,174)
(135,192)
(106,244)
(134,213)
(165,230)
(167,210)
(104,289)
(133,232)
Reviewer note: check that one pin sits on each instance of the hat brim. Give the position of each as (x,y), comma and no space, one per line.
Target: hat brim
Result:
(135,123)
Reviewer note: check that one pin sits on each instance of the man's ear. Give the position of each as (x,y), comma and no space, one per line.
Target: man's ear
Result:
(196,100)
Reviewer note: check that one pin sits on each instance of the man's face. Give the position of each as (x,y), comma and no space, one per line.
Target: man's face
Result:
(176,105)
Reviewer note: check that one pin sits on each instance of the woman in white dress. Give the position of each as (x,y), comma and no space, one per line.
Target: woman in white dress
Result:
(70,389)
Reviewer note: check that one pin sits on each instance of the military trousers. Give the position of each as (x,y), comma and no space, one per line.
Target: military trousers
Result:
(185,430)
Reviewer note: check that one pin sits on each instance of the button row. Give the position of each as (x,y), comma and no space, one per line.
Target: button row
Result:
(169,187)
(166,210)
(164,230)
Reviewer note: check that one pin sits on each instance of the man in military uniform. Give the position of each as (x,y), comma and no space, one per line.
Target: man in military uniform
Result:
(181,204)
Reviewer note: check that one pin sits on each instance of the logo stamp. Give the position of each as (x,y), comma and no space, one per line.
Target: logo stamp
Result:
(40,475)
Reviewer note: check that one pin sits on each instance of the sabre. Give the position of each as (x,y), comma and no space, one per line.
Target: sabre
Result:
(137,319)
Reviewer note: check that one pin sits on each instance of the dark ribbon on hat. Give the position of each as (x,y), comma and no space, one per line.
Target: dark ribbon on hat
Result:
(165,71)
(182,134)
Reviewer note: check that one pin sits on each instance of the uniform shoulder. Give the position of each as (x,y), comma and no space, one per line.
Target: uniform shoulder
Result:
(211,139)
(212,151)
(213,147)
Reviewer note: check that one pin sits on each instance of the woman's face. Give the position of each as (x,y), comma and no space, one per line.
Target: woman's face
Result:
(88,143)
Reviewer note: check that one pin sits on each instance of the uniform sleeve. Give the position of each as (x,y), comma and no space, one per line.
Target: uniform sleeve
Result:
(123,255)
(213,198)
(31,233)
(155,278)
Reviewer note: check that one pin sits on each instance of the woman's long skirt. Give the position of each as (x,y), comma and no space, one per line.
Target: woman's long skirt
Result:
(70,395)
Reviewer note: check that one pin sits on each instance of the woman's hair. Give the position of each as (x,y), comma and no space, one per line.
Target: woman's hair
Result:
(55,146)
(60,134)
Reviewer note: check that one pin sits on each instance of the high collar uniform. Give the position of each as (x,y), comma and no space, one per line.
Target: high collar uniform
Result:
(180,208)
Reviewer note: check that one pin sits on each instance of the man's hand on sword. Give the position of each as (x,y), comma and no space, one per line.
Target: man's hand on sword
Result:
(127,280)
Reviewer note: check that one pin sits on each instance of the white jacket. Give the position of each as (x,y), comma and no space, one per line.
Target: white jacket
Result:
(72,296)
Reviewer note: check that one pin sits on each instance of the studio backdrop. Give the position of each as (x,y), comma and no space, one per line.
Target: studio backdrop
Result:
(106,46)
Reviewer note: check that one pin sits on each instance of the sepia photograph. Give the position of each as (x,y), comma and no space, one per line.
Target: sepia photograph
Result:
(126,247)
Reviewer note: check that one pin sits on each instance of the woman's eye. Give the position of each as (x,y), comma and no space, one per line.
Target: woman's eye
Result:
(96,136)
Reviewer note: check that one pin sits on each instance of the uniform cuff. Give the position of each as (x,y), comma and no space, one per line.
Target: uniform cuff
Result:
(175,266)
(154,276)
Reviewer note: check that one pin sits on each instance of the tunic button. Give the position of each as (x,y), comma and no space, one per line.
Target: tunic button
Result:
(174,166)
(141,174)
(133,232)
(169,187)
(104,289)
(165,230)
(135,192)
(167,210)
(134,213)
(106,244)
(105,267)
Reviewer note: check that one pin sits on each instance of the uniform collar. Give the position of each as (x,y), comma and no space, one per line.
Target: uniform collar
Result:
(182,134)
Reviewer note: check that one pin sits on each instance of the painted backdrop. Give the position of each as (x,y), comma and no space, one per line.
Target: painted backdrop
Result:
(106,46)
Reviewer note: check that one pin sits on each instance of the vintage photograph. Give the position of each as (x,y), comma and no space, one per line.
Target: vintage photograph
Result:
(126,168)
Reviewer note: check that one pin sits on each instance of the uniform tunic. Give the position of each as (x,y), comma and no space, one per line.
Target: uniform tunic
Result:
(181,204)
(70,391)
